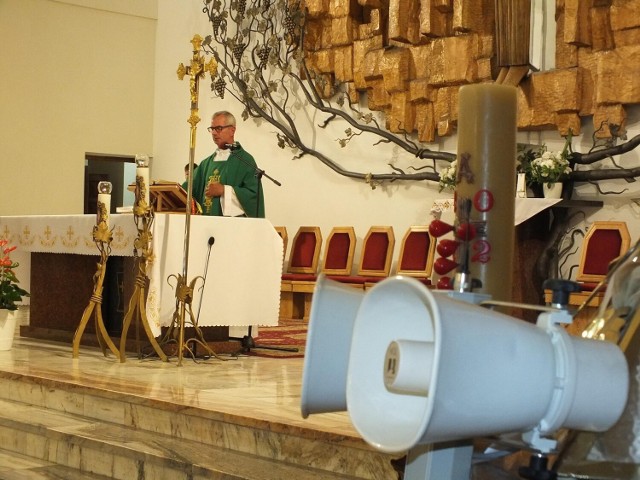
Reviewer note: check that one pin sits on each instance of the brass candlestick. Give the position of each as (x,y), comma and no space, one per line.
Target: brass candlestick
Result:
(102,237)
(184,289)
(143,251)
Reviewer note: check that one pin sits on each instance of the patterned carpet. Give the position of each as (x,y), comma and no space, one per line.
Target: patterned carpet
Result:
(288,334)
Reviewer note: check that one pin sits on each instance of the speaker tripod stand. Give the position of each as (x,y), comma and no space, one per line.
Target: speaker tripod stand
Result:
(247,343)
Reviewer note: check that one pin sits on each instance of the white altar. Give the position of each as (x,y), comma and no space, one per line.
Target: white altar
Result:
(244,265)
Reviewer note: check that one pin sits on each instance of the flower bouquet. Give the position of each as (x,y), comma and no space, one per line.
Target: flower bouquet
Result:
(10,292)
(548,167)
(448,177)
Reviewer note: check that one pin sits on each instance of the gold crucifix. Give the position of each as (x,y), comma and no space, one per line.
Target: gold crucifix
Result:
(196,70)
(184,289)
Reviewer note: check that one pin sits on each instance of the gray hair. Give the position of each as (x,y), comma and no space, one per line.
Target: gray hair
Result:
(229,118)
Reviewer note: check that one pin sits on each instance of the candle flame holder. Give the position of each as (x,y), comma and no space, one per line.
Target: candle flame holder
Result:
(143,252)
(102,236)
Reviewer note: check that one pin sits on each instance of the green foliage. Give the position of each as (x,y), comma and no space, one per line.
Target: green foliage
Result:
(10,293)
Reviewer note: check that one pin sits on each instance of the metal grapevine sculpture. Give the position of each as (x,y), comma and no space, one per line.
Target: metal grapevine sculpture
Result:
(279,58)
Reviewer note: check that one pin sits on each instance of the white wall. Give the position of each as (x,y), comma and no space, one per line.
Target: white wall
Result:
(77,76)
(312,194)
(80,76)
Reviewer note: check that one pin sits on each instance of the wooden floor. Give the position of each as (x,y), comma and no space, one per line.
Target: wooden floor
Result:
(249,390)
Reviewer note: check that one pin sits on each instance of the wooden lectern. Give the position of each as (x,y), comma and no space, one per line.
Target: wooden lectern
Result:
(166,197)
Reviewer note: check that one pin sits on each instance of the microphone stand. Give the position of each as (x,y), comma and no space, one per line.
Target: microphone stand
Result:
(247,342)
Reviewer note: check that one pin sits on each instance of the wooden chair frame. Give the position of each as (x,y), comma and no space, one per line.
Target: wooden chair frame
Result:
(426,272)
(625,240)
(387,264)
(313,268)
(351,234)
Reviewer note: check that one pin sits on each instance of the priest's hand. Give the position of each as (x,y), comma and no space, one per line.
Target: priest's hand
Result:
(215,189)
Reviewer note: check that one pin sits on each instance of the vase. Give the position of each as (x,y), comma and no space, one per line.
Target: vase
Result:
(7,328)
(553,191)
(535,190)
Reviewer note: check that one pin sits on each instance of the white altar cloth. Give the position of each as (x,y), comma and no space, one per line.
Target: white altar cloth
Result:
(244,269)
(525,208)
(66,233)
(245,265)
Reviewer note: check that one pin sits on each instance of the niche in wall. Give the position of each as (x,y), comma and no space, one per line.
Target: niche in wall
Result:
(120,170)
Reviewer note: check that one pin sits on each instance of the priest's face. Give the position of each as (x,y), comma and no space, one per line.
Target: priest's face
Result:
(223,133)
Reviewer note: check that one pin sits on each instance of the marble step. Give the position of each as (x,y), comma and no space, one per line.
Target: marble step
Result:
(14,466)
(59,421)
(120,452)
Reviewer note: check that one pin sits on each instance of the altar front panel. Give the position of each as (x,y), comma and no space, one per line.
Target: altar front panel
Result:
(242,269)
(242,281)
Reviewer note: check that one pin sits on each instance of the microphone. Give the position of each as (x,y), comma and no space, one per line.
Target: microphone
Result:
(232,146)
(211,241)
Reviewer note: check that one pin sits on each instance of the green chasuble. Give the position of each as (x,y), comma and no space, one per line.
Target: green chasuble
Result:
(238,171)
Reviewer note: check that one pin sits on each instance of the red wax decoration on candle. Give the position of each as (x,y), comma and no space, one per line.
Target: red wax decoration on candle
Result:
(443,266)
(447,247)
(438,228)
(465,231)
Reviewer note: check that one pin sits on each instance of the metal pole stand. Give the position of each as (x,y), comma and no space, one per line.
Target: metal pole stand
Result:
(176,332)
(184,291)
(102,237)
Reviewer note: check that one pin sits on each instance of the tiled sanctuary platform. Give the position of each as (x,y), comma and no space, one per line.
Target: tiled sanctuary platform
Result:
(94,417)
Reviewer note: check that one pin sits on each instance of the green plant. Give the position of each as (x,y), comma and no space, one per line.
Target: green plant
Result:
(10,292)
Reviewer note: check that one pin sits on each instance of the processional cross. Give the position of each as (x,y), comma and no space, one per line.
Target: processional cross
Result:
(184,290)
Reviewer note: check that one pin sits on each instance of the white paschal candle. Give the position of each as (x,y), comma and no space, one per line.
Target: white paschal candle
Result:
(142,174)
(104,199)
(486,181)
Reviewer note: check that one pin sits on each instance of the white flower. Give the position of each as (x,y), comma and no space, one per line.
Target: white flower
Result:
(548,167)
(448,176)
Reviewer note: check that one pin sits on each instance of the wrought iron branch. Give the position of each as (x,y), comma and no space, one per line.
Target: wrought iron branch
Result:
(261,62)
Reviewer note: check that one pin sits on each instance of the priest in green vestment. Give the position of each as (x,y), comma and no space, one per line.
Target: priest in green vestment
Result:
(225,183)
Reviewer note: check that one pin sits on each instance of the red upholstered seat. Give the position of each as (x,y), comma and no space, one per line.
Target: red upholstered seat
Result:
(303,266)
(603,243)
(338,257)
(305,250)
(375,258)
(416,254)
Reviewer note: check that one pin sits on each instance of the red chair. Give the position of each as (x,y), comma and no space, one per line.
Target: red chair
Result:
(303,266)
(604,242)
(416,254)
(338,256)
(337,261)
(375,258)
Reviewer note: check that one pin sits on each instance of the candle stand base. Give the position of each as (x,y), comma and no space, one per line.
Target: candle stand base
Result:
(137,304)
(176,332)
(102,237)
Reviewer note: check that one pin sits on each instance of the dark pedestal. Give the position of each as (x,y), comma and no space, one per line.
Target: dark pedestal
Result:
(531,241)
(536,252)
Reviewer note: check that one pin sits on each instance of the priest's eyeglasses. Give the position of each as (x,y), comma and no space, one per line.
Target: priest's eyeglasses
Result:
(218,129)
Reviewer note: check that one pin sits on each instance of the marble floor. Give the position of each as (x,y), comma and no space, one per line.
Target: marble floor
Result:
(249,387)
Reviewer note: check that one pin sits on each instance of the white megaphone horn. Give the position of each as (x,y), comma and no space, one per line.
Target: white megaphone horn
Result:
(425,368)
(326,355)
